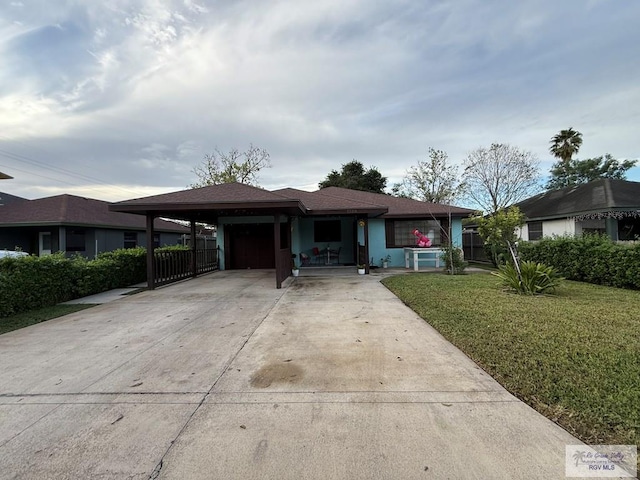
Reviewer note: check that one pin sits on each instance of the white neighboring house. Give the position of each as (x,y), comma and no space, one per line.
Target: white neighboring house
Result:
(605,205)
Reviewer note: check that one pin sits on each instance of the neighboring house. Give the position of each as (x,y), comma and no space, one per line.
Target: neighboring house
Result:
(76,225)
(606,206)
(257,228)
(6,199)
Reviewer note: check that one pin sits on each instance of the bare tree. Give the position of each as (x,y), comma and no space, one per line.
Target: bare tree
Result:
(235,166)
(433,180)
(499,176)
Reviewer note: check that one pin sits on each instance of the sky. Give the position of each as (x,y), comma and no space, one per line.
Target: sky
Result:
(120,99)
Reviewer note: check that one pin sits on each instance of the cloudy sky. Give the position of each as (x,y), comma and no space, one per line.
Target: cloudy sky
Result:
(119,99)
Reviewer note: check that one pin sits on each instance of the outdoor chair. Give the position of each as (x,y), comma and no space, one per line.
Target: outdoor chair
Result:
(334,254)
(317,256)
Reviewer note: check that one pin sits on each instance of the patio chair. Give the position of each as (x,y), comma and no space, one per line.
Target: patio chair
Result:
(317,256)
(334,254)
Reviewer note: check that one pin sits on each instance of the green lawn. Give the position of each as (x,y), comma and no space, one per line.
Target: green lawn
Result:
(14,322)
(574,357)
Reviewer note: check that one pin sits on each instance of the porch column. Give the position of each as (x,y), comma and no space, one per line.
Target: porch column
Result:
(194,244)
(366,245)
(276,246)
(151,267)
(611,225)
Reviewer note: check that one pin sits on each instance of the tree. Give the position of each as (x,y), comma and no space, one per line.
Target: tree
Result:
(235,166)
(565,144)
(498,231)
(433,180)
(578,172)
(499,176)
(354,176)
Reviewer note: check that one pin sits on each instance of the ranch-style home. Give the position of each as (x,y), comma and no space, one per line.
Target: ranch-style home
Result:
(604,206)
(257,228)
(75,225)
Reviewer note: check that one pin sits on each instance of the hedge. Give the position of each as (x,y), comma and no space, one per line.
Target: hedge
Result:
(590,258)
(27,283)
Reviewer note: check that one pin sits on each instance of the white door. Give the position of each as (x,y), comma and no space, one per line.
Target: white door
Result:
(45,243)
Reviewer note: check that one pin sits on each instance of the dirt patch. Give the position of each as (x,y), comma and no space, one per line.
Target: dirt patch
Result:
(281,372)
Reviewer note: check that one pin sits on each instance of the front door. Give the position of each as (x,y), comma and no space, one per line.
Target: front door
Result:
(44,247)
(251,246)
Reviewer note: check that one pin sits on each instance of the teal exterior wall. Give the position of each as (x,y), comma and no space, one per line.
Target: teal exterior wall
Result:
(302,238)
(377,242)
(304,241)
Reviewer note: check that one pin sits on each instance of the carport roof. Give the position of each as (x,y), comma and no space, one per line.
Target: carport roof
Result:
(235,199)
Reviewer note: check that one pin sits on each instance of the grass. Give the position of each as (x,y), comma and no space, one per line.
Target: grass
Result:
(21,320)
(574,357)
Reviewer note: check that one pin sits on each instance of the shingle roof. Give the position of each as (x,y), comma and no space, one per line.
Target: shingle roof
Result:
(601,195)
(397,207)
(4,176)
(223,193)
(319,204)
(239,199)
(73,210)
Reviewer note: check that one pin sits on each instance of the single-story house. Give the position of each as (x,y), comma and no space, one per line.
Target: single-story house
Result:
(76,225)
(257,228)
(606,205)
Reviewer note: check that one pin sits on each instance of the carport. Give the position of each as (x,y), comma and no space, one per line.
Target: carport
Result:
(208,205)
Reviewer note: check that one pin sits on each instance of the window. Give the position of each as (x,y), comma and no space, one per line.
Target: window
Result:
(75,240)
(327,231)
(535,230)
(130,239)
(399,233)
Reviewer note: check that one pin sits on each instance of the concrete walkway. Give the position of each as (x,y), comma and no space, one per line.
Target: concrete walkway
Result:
(225,377)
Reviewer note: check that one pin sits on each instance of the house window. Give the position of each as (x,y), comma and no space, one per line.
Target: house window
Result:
(130,239)
(327,231)
(75,240)
(399,233)
(535,230)
(156,240)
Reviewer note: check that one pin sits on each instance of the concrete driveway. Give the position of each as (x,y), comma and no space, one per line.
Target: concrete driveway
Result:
(225,377)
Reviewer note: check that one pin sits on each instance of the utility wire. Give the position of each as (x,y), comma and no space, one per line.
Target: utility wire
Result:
(22,158)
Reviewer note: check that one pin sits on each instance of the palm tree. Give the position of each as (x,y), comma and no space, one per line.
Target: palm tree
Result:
(565,144)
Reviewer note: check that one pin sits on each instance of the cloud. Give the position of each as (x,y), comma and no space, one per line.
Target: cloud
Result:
(122,90)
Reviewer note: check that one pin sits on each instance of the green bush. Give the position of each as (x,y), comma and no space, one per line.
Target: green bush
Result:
(533,278)
(34,282)
(27,283)
(453,261)
(590,258)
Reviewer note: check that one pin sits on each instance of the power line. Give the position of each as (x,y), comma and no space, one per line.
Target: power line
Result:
(22,158)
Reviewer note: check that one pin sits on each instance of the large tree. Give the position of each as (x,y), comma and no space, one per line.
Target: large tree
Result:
(234,166)
(354,176)
(577,172)
(499,176)
(433,180)
(565,144)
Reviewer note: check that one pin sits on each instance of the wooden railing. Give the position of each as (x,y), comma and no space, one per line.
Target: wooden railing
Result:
(174,265)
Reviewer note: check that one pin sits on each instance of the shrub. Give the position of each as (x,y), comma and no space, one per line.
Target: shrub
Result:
(453,261)
(590,258)
(27,283)
(533,278)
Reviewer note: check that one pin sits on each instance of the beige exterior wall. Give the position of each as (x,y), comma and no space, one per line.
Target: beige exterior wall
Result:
(565,226)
